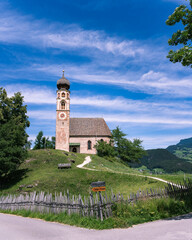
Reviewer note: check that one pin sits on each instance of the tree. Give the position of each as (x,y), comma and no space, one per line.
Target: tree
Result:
(42,142)
(131,151)
(184,55)
(39,141)
(117,137)
(13,136)
(127,150)
(105,149)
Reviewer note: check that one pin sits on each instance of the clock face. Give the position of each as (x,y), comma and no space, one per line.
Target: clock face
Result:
(62,115)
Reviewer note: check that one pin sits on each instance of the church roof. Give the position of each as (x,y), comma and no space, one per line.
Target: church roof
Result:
(63,82)
(88,127)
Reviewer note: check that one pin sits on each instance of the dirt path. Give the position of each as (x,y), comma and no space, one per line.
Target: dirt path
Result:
(88,160)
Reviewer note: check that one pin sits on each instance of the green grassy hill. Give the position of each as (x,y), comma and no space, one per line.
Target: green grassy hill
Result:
(183,149)
(40,173)
(163,159)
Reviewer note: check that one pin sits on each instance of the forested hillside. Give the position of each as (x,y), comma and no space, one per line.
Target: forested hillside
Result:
(183,149)
(162,158)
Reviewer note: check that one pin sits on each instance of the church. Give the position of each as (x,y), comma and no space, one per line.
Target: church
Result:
(76,134)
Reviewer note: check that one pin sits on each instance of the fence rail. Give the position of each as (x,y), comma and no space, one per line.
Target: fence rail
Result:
(99,205)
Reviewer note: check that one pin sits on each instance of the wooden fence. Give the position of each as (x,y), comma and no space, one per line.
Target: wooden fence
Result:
(97,205)
(179,190)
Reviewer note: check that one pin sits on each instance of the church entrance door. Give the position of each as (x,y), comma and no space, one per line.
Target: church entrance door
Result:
(74,149)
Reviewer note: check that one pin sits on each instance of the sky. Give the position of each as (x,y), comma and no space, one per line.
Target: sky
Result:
(114,55)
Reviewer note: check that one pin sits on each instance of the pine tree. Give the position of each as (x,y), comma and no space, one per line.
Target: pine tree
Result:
(13,136)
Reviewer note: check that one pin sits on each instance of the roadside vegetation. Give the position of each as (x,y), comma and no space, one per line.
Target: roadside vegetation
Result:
(124,215)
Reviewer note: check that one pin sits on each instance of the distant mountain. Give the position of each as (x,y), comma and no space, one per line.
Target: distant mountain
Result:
(183,149)
(162,158)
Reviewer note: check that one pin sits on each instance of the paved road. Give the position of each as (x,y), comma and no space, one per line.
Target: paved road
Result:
(19,228)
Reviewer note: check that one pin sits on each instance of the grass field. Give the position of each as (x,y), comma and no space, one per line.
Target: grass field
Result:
(40,173)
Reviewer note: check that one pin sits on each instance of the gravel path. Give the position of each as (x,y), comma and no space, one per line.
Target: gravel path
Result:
(88,160)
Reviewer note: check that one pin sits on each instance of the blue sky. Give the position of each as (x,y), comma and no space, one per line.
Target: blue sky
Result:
(114,54)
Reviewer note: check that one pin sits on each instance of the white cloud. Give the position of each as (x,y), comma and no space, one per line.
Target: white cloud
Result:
(33,94)
(135,110)
(25,30)
(42,115)
(151,82)
(161,141)
(120,117)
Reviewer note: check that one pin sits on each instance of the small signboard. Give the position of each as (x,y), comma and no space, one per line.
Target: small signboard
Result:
(98,186)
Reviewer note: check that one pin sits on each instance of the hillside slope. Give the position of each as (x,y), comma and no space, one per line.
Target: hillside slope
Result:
(162,158)
(183,149)
(40,173)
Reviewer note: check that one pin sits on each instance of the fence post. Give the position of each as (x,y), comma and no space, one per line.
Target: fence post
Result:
(100,206)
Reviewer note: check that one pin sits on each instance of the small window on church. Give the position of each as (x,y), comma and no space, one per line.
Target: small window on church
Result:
(58,95)
(89,145)
(62,105)
(62,94)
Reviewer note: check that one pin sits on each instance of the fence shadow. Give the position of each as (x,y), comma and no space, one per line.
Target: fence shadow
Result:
(13,178)
(185,216)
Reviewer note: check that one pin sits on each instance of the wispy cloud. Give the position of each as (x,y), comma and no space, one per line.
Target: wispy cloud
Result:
(122,118)
(139,109)
(24,30)
(151,82)
(33,94)
(161,141)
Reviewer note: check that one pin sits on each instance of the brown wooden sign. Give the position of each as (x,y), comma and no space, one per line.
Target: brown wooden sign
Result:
(98,186)
(98,189)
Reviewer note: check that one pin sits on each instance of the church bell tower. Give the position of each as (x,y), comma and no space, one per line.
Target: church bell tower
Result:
(62,114)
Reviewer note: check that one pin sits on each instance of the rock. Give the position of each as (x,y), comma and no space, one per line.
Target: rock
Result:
(64,165)
(30,160)
(71,160)
(30,186)
(72,154)
(22,186)
(65,153)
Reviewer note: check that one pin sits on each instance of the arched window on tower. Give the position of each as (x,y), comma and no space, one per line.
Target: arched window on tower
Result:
(89,145)
(62,94)
(62,105)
